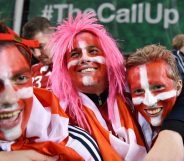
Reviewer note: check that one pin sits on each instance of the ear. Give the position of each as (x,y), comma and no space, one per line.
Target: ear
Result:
(178,87)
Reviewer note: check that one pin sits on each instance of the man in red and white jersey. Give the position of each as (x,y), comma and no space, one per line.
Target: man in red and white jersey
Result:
(40,29)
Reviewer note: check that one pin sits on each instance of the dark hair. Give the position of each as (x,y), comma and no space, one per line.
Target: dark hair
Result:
(35,25)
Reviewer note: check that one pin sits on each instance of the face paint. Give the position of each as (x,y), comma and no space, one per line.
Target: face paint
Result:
(15,93)
(86,64)
(153,92)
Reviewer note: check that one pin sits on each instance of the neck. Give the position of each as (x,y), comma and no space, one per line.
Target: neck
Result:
(98,99)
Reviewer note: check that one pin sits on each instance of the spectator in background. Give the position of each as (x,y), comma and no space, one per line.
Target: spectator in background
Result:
(89,78)
(31,118)
(178,51)
(40,29)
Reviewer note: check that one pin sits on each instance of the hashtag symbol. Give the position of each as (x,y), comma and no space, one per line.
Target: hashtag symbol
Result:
(47,11)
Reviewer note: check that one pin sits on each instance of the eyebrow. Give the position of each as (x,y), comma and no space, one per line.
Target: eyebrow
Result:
(20,71)
(88,47)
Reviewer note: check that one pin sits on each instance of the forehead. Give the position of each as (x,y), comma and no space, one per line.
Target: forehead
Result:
(85,38)
(42,37)
(155,71)
(12,58)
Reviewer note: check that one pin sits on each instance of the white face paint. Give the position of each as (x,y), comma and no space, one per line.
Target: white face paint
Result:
(16,93)
(96,59)
(155,121)
(25,93)
(13,133)
(149,99)
(153,92)
(86,64)
(88,81)
(161,96)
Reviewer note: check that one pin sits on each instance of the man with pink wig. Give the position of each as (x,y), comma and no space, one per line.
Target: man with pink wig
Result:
(89,78)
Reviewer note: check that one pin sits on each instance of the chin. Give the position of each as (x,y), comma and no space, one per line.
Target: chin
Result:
(156,123)
(13,133)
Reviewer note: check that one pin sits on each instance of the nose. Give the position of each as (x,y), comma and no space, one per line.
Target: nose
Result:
(149,100)
(8,95)
(84,58)
(37,52)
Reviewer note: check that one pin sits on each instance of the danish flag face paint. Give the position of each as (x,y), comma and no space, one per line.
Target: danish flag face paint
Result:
(153,92)
(86,64)
(16,93)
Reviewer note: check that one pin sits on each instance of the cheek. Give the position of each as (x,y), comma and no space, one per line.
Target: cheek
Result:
(72,63)
(27,111)
(101,72)
(25,96)
(72,72)
(168,105)
(140,108)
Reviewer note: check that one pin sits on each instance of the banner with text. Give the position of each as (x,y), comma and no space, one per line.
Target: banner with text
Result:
(132,24)
(7,11)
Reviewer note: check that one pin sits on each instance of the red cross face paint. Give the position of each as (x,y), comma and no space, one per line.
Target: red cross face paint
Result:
(153,92)
(16,93)
(86,64)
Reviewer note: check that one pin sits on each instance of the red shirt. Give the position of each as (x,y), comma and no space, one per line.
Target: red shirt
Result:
(40,75)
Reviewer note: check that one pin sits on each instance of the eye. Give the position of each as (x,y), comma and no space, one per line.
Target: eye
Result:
(94,51)
(74,54)
(138,91)
(21,79)
(158,87)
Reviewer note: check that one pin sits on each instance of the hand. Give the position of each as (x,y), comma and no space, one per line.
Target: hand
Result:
(168,147)
(24,155)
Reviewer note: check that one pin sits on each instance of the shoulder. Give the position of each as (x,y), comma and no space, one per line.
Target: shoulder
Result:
(35,66)
(86,140)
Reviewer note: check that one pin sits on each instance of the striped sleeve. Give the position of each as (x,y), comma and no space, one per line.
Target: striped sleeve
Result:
(83,144)
(180,60)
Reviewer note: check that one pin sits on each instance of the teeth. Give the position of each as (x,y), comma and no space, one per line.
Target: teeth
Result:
(88,70)
(153,111)
(9,115)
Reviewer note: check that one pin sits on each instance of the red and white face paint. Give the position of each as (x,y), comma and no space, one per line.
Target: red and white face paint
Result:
(153,92)
(86,64)
(16,93)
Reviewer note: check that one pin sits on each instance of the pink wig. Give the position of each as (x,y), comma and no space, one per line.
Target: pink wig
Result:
(62,41)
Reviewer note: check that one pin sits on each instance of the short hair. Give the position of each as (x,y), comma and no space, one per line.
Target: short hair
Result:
(35,25)
(178,41)
(151,53)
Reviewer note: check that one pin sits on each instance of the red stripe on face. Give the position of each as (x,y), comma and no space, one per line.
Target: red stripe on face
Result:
(155,82)
(15,76)
(86,64)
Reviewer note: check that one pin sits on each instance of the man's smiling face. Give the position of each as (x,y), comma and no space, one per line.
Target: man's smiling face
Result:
(15,93)
(86,64)
(153,91)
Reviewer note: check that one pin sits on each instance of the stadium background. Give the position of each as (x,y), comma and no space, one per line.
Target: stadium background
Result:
(132,23)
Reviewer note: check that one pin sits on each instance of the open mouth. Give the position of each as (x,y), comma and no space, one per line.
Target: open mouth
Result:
(9,115)
(10,119)
(153,111)
(86,70)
